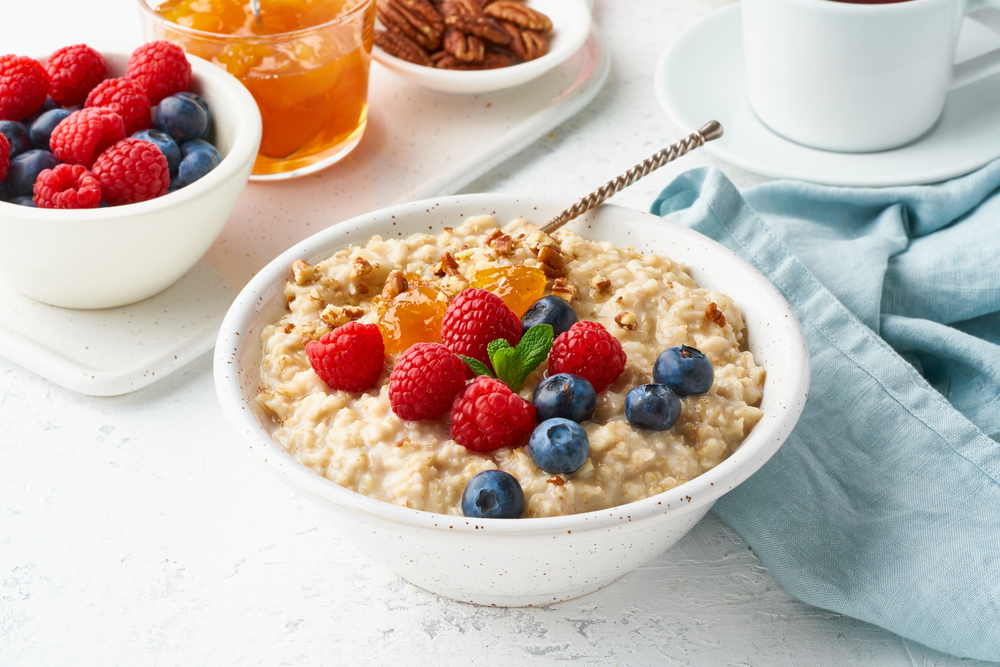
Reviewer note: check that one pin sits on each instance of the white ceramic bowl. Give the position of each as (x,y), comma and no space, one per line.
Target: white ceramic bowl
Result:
(106,257)
(570,28)
(524,561)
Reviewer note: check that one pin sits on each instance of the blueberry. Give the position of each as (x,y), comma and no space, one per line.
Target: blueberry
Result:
(685,370)
(3,191)
(48,105)
(559,446)
(24,169)
(565,395)
(493,494)
(24,201)
(189,147)
(652,406)
(193,167)
(204,105)
(17,136)
(41,129)
(550,310)
(166,144)
(181,118)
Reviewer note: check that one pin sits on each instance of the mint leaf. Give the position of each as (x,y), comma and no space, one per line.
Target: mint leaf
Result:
(496,346)
(478,367)
(533,350)
(514,364)
(507,364)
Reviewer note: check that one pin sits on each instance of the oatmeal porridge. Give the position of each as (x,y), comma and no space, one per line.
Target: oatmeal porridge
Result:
(647,302)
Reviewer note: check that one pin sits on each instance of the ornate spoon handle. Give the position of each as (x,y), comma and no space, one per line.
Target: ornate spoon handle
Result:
(711,130)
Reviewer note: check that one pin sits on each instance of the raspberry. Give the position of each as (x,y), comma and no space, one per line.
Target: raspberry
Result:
(127,99)
(73,72)
(84,134)
(488,415)
(131,171)
(424,381)
(476,318)
(67,186)
(590,351)
(23,87)
(4,156)
(161,68)
(349,357)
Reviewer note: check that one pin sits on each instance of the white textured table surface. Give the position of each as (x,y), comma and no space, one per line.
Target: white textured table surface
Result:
(133,532)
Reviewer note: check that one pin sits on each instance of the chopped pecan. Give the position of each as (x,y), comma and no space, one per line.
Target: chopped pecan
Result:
(600,283)
(564,289)
(536,240)
(552,261)
(403,442)
(359,267)
(557,480)
(395,284)
(713,313)
(402,47)
(288,328)
(518,14)
(468,16)
(398,19)
(627,321)
(526,44)
(467,48)
(447,266)
(337,316)
(304,272)
(500,242)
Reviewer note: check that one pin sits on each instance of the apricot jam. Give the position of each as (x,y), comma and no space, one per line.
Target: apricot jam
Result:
(519,286)
(414,316)
(305,62)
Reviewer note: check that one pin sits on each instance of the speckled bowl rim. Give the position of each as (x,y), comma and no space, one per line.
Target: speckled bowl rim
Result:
(765,439)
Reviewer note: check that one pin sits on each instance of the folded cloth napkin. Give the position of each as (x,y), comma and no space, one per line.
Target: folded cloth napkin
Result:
(884,503)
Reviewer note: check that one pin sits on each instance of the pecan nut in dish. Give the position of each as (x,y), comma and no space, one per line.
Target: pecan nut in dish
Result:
(402,47)
(396,18)
(527,44)
(467,48)
(519,14)
(468,16)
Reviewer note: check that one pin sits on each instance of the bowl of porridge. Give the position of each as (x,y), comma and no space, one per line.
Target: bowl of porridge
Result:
(394,487)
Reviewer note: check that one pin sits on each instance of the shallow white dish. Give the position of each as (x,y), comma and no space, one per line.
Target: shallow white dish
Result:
(109,257)
(526,561)
(571,25)
(702,76)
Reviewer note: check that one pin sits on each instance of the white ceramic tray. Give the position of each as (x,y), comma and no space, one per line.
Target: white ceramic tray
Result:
(418,144)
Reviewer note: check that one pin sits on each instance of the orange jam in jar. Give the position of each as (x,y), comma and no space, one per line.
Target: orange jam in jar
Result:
(414,316)
(519,286)
(305,62)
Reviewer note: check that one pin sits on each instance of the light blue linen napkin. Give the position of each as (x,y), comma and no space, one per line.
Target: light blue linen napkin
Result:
(884,503)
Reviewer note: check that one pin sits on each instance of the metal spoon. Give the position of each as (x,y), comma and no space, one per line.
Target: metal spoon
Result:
(255,7)
(711,130)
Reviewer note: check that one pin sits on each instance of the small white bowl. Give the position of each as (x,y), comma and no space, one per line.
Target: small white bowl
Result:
(107,257)
(570,28)
(524,561)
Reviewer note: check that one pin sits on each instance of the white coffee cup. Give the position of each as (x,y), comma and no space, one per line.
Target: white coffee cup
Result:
(856,77)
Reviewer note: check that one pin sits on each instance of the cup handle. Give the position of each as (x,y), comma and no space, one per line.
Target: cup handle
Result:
(982,66)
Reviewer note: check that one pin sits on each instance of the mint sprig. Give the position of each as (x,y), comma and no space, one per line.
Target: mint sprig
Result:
(514,364)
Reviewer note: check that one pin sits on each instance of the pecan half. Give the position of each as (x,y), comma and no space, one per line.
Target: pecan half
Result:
(467,48)
(517,13)
(527,44)
(445,60)
(564,289)
(395,284)
(304,272)
(402,47)
(398,19)
(497,57)
(713,313)
(627,321)
(552,261)
(500,242)
(423,16)
(468,16)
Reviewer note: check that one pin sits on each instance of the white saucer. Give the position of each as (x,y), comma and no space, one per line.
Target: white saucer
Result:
(701,77)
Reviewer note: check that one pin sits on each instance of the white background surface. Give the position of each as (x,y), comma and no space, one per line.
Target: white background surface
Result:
(133,531)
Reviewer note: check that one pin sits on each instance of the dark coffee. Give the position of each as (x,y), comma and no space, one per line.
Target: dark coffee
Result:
(870,2)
